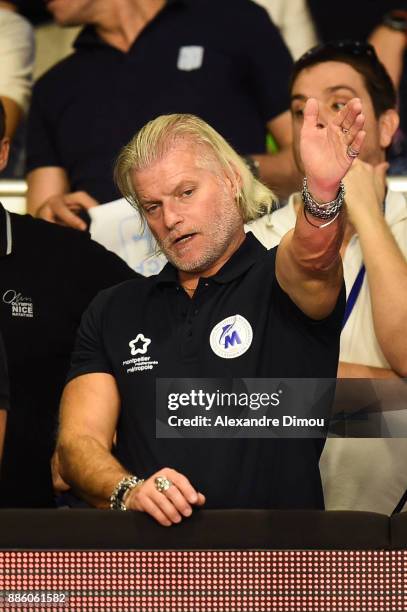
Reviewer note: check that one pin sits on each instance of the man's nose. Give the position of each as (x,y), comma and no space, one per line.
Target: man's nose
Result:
(171,214)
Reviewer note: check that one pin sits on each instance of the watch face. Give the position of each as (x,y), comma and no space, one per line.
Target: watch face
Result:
(397,20)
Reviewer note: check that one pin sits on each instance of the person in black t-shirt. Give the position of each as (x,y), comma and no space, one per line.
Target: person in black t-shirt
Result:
(4,395)
(136,59)
(223,307)
(48,275)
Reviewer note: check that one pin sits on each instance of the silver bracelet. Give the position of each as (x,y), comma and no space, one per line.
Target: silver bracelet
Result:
(323,224)
(125,485)
(325,211)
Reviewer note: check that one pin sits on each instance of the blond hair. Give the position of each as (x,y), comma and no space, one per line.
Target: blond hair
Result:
(157,137)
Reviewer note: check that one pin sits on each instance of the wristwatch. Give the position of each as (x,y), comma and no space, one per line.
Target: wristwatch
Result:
(396,20)
(124,486)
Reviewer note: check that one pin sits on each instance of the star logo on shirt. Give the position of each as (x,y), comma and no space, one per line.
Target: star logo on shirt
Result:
(143,344)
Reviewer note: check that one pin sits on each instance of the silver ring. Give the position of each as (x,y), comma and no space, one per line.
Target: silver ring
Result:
(162,484)
(351,152)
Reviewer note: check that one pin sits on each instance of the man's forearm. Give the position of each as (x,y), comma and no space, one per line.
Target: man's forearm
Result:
(90,469)
(386,271)
(309,267)
(316,249)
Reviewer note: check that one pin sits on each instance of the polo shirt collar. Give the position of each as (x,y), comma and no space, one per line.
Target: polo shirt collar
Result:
(244,258)
(88,37)
(6,238)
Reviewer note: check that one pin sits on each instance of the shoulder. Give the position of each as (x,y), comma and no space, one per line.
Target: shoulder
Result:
(269,229)
(14,24)
(114,301)
(63,242)
(58,75)
(32,229)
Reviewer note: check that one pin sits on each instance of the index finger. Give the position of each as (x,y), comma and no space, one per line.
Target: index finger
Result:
(64,216)
(348,113)
(311,111)
(184,486)
(82,198)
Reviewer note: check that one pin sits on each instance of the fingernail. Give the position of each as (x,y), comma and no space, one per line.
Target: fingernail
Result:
(187,512)
(193,499)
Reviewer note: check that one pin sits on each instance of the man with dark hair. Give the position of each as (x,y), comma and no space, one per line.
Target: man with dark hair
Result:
(359,474)
(363,59)
(223,306)
(137,59)
(48,275)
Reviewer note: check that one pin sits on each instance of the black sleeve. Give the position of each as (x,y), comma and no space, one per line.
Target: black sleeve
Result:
(4,387)
(100,268)
(270,64)
(89,355)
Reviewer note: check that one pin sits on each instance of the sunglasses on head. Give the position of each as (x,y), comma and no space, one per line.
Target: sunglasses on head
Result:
(348,47)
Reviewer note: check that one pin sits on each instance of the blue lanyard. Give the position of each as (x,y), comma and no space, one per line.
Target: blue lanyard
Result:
(353,295)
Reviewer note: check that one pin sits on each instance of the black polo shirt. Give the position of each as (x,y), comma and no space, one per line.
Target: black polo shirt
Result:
(4,386)
(48,276)
(285,343)
(224,61)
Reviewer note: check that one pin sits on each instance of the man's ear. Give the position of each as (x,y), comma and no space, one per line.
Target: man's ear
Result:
(4,151)
(388,124)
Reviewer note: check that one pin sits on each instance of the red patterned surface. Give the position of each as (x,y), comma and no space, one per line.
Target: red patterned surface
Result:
(223,581)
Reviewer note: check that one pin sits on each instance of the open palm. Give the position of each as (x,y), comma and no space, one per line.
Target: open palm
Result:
(326,145)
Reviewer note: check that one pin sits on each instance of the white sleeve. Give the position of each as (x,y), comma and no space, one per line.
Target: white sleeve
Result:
(17,50)
(294,22)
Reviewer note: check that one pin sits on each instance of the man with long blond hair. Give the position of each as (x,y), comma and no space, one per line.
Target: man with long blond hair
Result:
(223,306)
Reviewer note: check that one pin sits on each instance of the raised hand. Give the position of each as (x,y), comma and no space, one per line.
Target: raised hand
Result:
(328,148)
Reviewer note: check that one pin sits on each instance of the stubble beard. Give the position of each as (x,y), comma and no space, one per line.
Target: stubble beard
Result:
(218,235)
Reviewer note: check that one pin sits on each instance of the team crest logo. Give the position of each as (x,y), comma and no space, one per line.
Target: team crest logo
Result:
(231,337)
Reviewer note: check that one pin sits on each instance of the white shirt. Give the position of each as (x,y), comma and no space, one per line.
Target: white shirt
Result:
(294,22)
(16,57)
(367,474)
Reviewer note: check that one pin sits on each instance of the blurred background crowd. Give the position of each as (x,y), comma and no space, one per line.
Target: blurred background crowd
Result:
(77,79)
(36,34)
